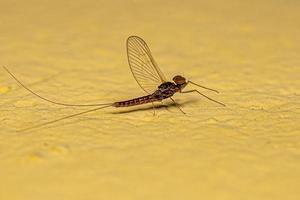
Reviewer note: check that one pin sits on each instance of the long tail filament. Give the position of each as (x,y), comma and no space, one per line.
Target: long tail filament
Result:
(48,100)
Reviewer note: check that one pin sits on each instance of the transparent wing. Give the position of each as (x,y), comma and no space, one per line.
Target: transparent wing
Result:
(142,65)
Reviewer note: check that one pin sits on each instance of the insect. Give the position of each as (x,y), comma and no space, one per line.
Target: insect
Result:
(148,76)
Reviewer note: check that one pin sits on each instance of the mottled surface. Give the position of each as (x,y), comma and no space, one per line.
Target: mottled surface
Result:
(74,51)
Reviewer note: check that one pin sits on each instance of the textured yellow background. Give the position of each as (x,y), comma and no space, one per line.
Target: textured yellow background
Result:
(74,52)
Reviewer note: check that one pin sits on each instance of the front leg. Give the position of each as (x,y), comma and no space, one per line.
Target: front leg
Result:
(202,86)
(189,91)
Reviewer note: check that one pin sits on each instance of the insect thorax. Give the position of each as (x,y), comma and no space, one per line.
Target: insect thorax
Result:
(165,90)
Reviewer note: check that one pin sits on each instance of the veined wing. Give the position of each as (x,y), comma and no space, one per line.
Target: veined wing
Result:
(142,65)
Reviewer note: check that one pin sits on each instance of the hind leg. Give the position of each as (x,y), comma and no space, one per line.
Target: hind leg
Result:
(153,108)
(177,105)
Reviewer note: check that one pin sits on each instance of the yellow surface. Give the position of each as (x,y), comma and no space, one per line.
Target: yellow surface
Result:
(74,51)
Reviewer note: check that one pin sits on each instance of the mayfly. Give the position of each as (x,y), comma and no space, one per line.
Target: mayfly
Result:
(148,76)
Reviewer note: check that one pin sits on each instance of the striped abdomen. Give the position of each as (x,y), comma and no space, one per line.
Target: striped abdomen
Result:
(136,101)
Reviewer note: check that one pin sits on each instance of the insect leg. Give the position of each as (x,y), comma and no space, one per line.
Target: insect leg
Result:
(153,108)
(177,105)
(202,86)
(189,91)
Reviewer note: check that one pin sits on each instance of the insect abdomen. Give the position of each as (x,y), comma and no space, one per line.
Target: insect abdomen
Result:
(133,102)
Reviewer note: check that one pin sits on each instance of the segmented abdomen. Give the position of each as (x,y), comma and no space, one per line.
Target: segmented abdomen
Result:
(136,101)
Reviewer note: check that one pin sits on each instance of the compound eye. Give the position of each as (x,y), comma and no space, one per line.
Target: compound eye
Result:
(179,79)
